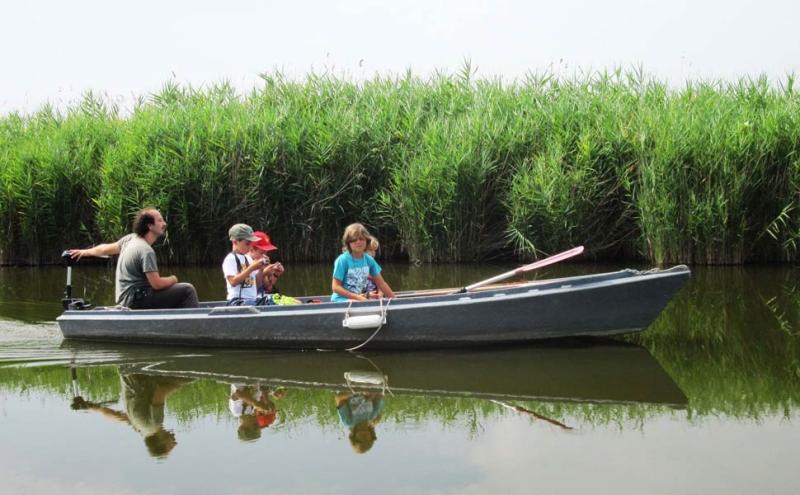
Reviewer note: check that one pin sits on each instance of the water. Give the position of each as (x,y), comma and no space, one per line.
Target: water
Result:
(705,401)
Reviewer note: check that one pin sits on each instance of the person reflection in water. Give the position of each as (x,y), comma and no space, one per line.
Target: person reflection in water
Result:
(360,412)
(144,397)
(254,408)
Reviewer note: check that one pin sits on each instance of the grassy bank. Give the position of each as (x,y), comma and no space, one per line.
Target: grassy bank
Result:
(449,169)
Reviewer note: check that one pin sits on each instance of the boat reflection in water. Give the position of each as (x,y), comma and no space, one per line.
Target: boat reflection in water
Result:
(363,387)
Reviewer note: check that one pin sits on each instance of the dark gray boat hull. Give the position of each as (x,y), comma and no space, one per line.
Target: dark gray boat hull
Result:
(605,304)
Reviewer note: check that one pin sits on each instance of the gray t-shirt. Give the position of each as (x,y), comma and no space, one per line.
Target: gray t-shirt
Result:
(136,258)
(139,392)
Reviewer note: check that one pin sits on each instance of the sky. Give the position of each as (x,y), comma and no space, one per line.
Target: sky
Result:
(52,51)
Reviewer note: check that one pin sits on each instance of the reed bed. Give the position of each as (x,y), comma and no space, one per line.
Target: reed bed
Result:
(451,168)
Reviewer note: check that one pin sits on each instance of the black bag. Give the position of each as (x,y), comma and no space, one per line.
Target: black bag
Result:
(139,295)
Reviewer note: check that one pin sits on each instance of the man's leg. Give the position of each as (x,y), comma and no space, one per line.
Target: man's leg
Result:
(180,295)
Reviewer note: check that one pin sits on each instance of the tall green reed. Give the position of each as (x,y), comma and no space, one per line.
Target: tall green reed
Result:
(572,184)
(449,168)
(717,179)
(49,178)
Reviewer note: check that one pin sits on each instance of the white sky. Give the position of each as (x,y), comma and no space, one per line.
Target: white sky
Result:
(54,50)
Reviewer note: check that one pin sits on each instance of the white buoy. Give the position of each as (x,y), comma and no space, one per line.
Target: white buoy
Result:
(364,322)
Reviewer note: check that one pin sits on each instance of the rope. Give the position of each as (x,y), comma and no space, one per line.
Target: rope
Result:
(384,310)
(347,311)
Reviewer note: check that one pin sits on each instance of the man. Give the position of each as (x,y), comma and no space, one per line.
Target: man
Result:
(138,284)
(145,399)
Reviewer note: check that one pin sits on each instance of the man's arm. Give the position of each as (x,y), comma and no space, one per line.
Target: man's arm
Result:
(109,249)
(78,403)
(157,282)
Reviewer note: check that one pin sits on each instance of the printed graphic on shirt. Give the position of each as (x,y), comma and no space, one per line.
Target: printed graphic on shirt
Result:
(356,278)
(248,282)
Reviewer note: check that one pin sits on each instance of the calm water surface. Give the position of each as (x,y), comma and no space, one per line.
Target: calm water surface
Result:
(705,401)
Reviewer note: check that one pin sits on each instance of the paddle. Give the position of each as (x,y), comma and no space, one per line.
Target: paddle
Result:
(536,415)
(533,266)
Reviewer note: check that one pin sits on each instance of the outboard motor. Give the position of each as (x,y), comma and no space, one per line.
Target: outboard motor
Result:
(69,302)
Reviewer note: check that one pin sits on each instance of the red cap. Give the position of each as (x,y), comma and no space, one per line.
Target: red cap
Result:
(263,243)
(265,419)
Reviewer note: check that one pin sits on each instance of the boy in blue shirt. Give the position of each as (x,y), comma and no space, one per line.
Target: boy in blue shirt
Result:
(354,266)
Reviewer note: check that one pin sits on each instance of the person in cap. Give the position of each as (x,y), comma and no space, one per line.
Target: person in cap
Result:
(252,406)
(239,268)
(138,284)
(267,278)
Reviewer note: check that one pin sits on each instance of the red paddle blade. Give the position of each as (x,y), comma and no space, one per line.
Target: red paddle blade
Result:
(550,260)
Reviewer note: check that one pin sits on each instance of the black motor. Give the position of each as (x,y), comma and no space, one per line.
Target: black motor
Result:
(69,302)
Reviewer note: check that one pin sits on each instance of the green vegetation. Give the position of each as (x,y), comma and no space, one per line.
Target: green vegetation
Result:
(450,168)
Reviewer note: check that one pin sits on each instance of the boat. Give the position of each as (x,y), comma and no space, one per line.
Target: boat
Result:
(614,303)
(600,371)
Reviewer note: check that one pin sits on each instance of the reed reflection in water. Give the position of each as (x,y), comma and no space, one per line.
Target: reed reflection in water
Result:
(544,383)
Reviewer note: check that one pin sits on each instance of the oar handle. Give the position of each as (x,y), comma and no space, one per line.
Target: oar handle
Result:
(488,281)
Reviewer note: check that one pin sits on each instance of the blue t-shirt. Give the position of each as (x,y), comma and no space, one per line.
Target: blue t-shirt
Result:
(353,273)
(359,409)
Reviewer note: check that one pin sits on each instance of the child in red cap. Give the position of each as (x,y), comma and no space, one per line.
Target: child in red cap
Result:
(268,276)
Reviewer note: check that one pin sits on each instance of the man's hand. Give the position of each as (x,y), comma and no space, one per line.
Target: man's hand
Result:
(76,254)
(79,403)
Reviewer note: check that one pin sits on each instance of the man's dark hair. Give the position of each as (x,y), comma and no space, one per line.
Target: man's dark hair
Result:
(160,443)
(144,219)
